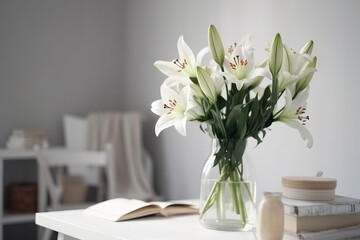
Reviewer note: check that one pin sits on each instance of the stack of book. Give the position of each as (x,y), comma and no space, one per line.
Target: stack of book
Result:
(313,211)
(328,220)
(27,139)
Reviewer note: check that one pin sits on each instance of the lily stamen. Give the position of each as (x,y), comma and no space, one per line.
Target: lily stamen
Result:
(181,65)
(231,48)
(171,105)
(172,102)
(170,109)
(238,61)
(300,111)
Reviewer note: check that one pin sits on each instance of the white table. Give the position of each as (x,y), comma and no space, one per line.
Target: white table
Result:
(75,224)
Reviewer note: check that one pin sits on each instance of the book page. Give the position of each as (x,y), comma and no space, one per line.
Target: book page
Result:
(177,207)
(114,209)
(162,204)
(120,209)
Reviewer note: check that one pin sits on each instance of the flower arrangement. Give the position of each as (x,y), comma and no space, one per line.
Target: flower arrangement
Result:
(233,97)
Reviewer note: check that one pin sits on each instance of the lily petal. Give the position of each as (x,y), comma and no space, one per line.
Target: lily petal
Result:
(164,122)
(201,55)
(168,68)
(304,132)
(157,107)
(185,52)
(180,126)
(293,114)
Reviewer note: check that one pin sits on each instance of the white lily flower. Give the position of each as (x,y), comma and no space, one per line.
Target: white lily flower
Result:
(294,116)
(177,82)
(185,65)
(240,66)
(295,66)
(293,62)
(303,82)
(246,42)
(172,109)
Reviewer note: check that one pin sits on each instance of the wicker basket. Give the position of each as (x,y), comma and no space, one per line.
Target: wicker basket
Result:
(21,198)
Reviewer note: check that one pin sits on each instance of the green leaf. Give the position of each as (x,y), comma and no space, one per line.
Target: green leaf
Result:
(233,116)
(240,148)
(242,122)
(219,156)
(221,102)
(256,136)
(220,131)
(237,97)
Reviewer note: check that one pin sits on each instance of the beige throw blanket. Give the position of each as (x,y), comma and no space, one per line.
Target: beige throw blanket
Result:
(132,168)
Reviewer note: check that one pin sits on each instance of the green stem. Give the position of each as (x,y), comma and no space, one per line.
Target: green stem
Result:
(237,196)
(214,195)
(234,189)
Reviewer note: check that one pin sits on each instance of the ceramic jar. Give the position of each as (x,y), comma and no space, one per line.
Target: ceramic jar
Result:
(270,224)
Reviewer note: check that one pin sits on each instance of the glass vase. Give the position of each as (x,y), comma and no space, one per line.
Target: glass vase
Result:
(227,198)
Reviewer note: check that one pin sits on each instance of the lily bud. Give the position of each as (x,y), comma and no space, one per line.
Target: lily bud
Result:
(216,46)
(302,83)
(276,55)
(307,49)
(206,84)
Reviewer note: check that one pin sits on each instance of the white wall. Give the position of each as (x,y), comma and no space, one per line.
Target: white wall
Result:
(153,28)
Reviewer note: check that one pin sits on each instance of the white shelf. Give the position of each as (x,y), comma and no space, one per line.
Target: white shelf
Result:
(11,218)
(5,217)
(17,154)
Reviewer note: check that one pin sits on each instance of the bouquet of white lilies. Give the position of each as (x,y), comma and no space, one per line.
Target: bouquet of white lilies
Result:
(233,97)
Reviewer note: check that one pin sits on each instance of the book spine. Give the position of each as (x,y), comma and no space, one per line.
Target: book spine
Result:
(322,210)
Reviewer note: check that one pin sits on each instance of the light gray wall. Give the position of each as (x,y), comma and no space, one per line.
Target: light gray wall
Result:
(153,28)
(58,57)
(83,55)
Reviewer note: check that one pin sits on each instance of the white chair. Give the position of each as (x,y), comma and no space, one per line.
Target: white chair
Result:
(132,173)
(55,193)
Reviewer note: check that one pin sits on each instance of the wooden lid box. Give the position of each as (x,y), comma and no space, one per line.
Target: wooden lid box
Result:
(309,188)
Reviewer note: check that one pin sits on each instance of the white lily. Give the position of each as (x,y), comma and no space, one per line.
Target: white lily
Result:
(246,42)
(303,82)
(293,114)
(240,66)
(295,66)
(172,109)
(177,82)
(185,65)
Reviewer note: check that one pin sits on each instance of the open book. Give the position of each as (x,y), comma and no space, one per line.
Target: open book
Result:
(120,209)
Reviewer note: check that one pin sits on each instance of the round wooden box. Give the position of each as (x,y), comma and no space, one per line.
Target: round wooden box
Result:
(309,188)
